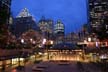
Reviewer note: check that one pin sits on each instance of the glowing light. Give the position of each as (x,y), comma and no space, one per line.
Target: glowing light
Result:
(97,44)
(44,41)
(103,57)
(22,40)
(89,39)
(21,59)
(40,53)
(51,42)
(31,39)
(45,53)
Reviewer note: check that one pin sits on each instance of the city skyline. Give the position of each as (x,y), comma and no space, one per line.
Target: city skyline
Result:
(67,11)
(43,46)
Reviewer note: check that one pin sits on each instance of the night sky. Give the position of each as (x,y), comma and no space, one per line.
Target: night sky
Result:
(73,13)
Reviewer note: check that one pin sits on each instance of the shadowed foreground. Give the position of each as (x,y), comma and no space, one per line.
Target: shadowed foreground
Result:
(60,66)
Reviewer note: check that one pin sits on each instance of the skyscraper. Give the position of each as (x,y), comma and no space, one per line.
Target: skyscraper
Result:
(4,11)
(46,27)
(23,22)
(59,31)
(59,28)
(98,10)
(4,19)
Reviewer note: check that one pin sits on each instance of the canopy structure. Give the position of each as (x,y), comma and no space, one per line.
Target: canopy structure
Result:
(65,46)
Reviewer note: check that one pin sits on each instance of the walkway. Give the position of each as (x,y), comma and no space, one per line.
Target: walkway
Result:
(59,66)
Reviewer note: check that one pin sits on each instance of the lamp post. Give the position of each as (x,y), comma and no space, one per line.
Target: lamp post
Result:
(51,42)
(22,42)
(85,41)
(89,39)
(47,44)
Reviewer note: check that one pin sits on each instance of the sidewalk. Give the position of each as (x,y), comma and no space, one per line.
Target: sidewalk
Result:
(89,67)
(27,68)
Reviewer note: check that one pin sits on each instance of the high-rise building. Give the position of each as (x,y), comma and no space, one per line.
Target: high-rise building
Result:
(46,27)
(4,19)
(50,23)
(23,22)
(59,28)
(98,17)
(4,11)
(59,31)
(98,10)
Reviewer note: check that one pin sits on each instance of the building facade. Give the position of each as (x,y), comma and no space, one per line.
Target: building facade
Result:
(46,27)
(59,31)
(59,27)
(4,11)
(4,20)
(23,22)
(98,15)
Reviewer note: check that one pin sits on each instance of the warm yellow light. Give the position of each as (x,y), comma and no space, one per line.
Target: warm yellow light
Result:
(40,53)
(89,39)
(51,42)
(21,59)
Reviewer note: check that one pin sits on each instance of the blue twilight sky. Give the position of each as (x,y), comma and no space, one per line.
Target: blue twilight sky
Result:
(73,13)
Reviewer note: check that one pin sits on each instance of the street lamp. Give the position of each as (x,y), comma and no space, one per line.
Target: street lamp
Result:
(48,44)
(31,39)
(22,41)
(44,41)
(22,52)
(51,42)
(85,42)
(89,39)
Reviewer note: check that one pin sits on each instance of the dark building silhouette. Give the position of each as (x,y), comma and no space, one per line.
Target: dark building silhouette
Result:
(22,23)
(99,16)
(4,20)
(98,10)
(4,11)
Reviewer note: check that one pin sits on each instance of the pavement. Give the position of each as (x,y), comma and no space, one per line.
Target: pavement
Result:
(90,67)
(59,66)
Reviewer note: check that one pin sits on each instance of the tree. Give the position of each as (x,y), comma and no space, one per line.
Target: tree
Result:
(31,38)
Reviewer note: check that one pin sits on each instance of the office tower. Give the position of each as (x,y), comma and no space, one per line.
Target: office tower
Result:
(4,11)
(4,19)
(59,31)
(46,27)
(98,16)
(59,28)
(23,22)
